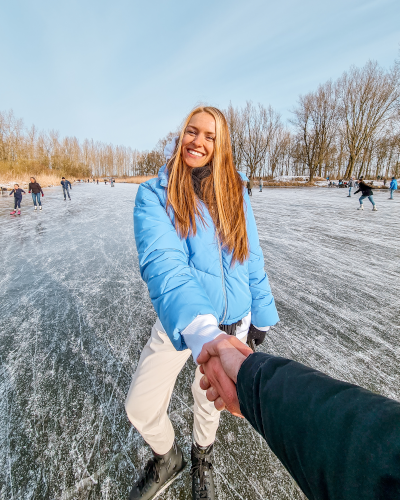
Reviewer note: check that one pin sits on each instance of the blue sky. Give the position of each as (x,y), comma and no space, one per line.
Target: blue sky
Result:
(127,72)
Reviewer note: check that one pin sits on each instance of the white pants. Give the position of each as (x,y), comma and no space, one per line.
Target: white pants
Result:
(151,389)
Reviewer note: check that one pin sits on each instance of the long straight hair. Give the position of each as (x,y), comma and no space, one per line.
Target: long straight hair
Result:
(223,191)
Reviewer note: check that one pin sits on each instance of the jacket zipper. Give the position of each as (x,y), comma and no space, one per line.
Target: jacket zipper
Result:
(223,281)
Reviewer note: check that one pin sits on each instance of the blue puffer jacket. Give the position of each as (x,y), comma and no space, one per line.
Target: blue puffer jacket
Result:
(393,184)
(191,277)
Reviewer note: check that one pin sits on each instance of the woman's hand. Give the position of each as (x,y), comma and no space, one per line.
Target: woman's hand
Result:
(220,362)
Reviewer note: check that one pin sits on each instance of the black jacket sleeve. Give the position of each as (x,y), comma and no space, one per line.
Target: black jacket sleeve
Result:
(337,440)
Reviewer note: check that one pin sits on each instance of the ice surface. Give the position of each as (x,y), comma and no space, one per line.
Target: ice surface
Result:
(75,315)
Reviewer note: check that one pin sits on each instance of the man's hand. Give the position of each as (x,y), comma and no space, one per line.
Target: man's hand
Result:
(221,360)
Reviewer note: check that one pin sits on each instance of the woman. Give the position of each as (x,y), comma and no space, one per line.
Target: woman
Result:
(36,190)
(200,256)
(393,187)
(366,192)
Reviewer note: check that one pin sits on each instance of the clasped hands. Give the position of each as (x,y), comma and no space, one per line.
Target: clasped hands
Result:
(220,362)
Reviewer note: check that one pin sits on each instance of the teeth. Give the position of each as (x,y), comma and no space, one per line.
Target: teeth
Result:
(196,153)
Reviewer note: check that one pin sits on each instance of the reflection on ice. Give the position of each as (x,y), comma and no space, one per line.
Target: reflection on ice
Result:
(76,314)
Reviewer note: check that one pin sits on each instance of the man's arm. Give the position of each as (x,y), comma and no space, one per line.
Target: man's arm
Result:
(338,441)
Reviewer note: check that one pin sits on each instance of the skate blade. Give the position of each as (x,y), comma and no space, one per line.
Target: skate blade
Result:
(168,483)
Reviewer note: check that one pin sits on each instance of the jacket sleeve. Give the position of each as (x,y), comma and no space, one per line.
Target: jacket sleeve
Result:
(358,190)
(263,309)
(176,295)
(337,440)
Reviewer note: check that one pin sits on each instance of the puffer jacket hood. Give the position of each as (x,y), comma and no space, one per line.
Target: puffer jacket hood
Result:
(195,276)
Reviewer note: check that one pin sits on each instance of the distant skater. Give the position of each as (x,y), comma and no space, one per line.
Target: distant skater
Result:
(350,186)
(18,192)
(250,185)
(366,193)
(36,190)
(66,185)
(261,184)
(393,187)
(97,181)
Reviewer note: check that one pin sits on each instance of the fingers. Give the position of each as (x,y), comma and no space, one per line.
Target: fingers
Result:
(210,349)
(212,394)
(240,346)
(204,383)
(223,385)
(220,405)
(214,347)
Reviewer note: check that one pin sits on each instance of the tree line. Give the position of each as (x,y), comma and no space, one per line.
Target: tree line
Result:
(346,127)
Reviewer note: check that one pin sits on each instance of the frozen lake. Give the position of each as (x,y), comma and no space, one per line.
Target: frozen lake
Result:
(75,315)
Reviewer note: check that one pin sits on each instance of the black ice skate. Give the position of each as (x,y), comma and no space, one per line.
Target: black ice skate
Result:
(158,474)
(201,472)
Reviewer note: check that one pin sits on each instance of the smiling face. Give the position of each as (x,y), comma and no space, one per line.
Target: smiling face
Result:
(198,140)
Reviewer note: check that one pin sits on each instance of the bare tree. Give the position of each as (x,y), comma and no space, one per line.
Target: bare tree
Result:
(236,130)
(260,125)
(368,100)
(279,148)
(315,119)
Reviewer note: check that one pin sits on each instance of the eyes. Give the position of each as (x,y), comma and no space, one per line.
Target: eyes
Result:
(194,133)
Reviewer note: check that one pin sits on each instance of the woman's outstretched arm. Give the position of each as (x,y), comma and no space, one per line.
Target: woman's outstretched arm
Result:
(175,293)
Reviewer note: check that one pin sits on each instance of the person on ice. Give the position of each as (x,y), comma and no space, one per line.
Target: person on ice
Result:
(66,185)
(18,192)
(350,186)
(393,187)
(250,185)
(200,255)
(36,190)
(366,193)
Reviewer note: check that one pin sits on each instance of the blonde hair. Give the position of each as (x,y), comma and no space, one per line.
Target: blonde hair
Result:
(222,191)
